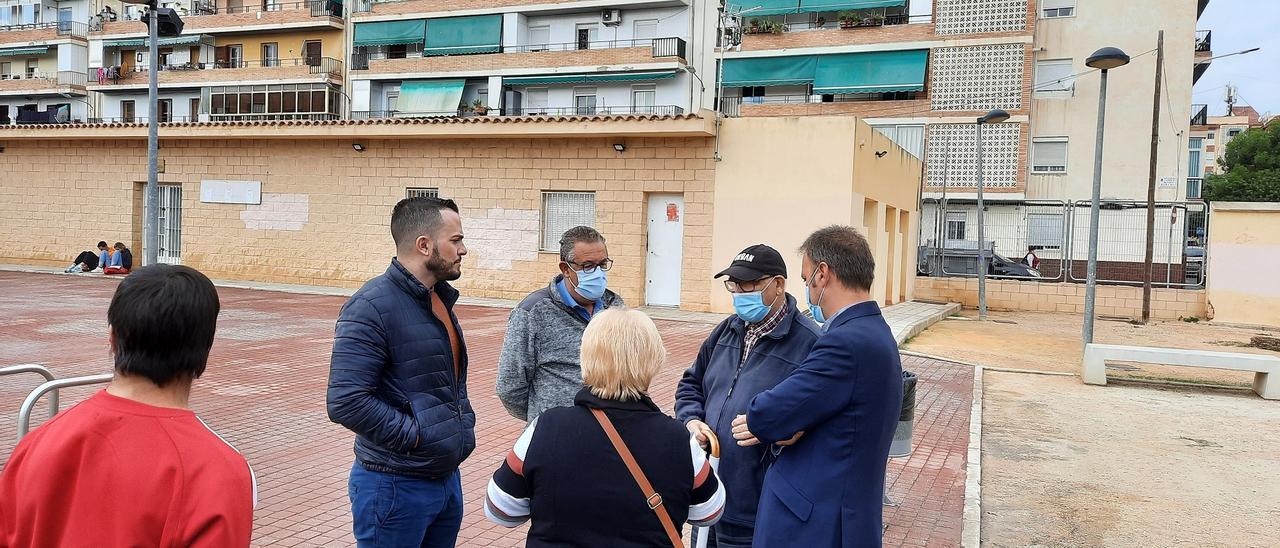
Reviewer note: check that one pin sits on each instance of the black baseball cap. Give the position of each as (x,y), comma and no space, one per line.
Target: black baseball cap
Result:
(756,262)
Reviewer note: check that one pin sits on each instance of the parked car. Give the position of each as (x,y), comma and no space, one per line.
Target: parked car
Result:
(961,258)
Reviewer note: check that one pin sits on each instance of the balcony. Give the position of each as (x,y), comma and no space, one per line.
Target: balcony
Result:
(1203,55)
(834,29)
(196,74)
(469,112)
(35,34)
(822,105)
(1199,115)
(66,81)
(379,60)
(413,7)
(214,118)
(214,18)
(1194,187)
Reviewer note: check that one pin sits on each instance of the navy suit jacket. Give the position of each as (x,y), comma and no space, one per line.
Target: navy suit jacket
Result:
(825,491)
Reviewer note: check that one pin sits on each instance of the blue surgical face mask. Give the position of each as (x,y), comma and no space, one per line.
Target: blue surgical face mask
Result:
(591,284)
(814,308)
(750,306)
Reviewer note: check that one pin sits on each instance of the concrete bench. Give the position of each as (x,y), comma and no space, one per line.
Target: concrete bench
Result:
(1096,357)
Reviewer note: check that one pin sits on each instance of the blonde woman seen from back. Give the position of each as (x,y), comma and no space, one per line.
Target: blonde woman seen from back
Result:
(573,481)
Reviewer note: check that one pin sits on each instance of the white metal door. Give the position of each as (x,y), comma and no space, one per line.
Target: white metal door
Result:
(170,225)
(663,265)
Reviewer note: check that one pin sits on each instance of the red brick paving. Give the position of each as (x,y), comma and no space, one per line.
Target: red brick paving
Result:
(264,392)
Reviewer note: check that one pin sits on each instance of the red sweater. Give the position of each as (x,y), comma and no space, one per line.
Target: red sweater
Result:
(116,472)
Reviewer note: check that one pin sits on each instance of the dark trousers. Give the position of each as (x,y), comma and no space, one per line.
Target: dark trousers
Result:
(394,511)
(89,259)
(725,535)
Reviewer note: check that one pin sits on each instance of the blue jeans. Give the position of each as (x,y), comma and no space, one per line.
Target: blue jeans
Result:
(394,511)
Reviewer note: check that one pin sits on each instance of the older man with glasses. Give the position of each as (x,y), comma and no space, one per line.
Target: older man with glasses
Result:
(539,367)
(748,353)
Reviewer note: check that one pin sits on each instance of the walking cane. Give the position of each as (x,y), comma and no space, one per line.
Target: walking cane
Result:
(715,466)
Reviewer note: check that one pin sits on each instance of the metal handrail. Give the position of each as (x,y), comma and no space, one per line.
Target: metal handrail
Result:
(35,368)
(24,412)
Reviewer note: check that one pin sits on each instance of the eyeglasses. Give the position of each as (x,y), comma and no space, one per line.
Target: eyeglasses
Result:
(587,268)
(747,287)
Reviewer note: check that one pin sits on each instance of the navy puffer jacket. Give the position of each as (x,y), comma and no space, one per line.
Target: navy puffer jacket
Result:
(391,378)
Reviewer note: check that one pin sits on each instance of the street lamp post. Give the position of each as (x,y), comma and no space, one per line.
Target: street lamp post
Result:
(1104,59)
(994,117)
(155,18)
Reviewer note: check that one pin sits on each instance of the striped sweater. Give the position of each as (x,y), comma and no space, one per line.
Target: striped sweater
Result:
(565,476)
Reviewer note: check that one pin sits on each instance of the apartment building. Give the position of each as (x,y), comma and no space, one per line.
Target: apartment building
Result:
(416,58)
(235,60)
(1209,138)
(43,50)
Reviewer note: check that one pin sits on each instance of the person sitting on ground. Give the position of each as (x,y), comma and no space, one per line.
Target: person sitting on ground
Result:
(133,465)
(121,261)
(584,482)
(87,261)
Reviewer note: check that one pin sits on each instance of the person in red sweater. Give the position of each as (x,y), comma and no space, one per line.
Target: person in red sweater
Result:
(133,465)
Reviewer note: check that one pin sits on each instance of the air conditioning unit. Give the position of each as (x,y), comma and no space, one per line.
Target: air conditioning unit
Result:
(611,17)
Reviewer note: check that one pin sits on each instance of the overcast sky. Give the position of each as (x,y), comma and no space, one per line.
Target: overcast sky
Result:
(1239,25)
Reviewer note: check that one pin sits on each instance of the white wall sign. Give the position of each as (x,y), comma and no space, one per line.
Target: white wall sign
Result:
(231,192)
(1168,182)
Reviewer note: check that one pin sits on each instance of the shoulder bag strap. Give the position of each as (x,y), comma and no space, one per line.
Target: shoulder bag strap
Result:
(652,498)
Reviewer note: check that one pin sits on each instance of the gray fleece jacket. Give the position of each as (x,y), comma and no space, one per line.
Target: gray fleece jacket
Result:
(539,367)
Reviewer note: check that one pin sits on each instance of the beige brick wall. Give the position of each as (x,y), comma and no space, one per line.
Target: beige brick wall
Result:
(488,61)
(838,37)
(1111,300)
(48,85)
(19,38)
(326,208)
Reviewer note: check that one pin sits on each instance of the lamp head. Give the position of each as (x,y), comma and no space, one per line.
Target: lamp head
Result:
(1107,58)
(994,117)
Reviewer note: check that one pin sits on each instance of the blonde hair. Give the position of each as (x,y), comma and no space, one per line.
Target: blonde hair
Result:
(621,353)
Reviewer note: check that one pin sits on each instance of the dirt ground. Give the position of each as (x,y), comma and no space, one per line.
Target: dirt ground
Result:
(1064,464)
(1045,341)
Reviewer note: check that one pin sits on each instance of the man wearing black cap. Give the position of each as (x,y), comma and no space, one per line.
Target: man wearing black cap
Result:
(748,353)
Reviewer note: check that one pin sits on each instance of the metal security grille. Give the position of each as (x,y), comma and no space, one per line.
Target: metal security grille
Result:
(412,192)
(562,211)
(170,225)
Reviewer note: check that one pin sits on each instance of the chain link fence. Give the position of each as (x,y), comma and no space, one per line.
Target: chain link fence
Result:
(1048,240)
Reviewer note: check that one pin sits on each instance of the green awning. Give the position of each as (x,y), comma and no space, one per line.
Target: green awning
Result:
(588,78)
(430,97)
(812,6)
(387,33)
(464,35)
(871,72)
(19,52)
(760,8)
(769,71)
(142,42)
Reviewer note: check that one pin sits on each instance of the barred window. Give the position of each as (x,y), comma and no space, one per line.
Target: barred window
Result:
(421,192)
(562,211)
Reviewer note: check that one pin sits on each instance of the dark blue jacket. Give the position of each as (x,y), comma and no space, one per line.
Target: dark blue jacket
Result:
(716,389)
(391,378)
(825,490)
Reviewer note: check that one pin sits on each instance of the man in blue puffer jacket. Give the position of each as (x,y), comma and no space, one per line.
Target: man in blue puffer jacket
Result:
(748,353)
(398,380)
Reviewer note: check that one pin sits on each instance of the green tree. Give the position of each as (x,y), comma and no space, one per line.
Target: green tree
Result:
(1250,168)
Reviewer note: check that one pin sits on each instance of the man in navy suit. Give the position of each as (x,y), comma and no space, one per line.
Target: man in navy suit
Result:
(845,398)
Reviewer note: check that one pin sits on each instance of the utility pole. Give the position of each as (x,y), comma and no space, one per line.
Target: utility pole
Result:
(150,222)
(1151,185)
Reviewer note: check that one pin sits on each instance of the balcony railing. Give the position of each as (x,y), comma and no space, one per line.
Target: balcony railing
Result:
(51,79)
(1199,115)
(840,20)
(215,118)
(465,112)
(1204,40)
(1194,186)
(61,28)
(317,65)
(318,8)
